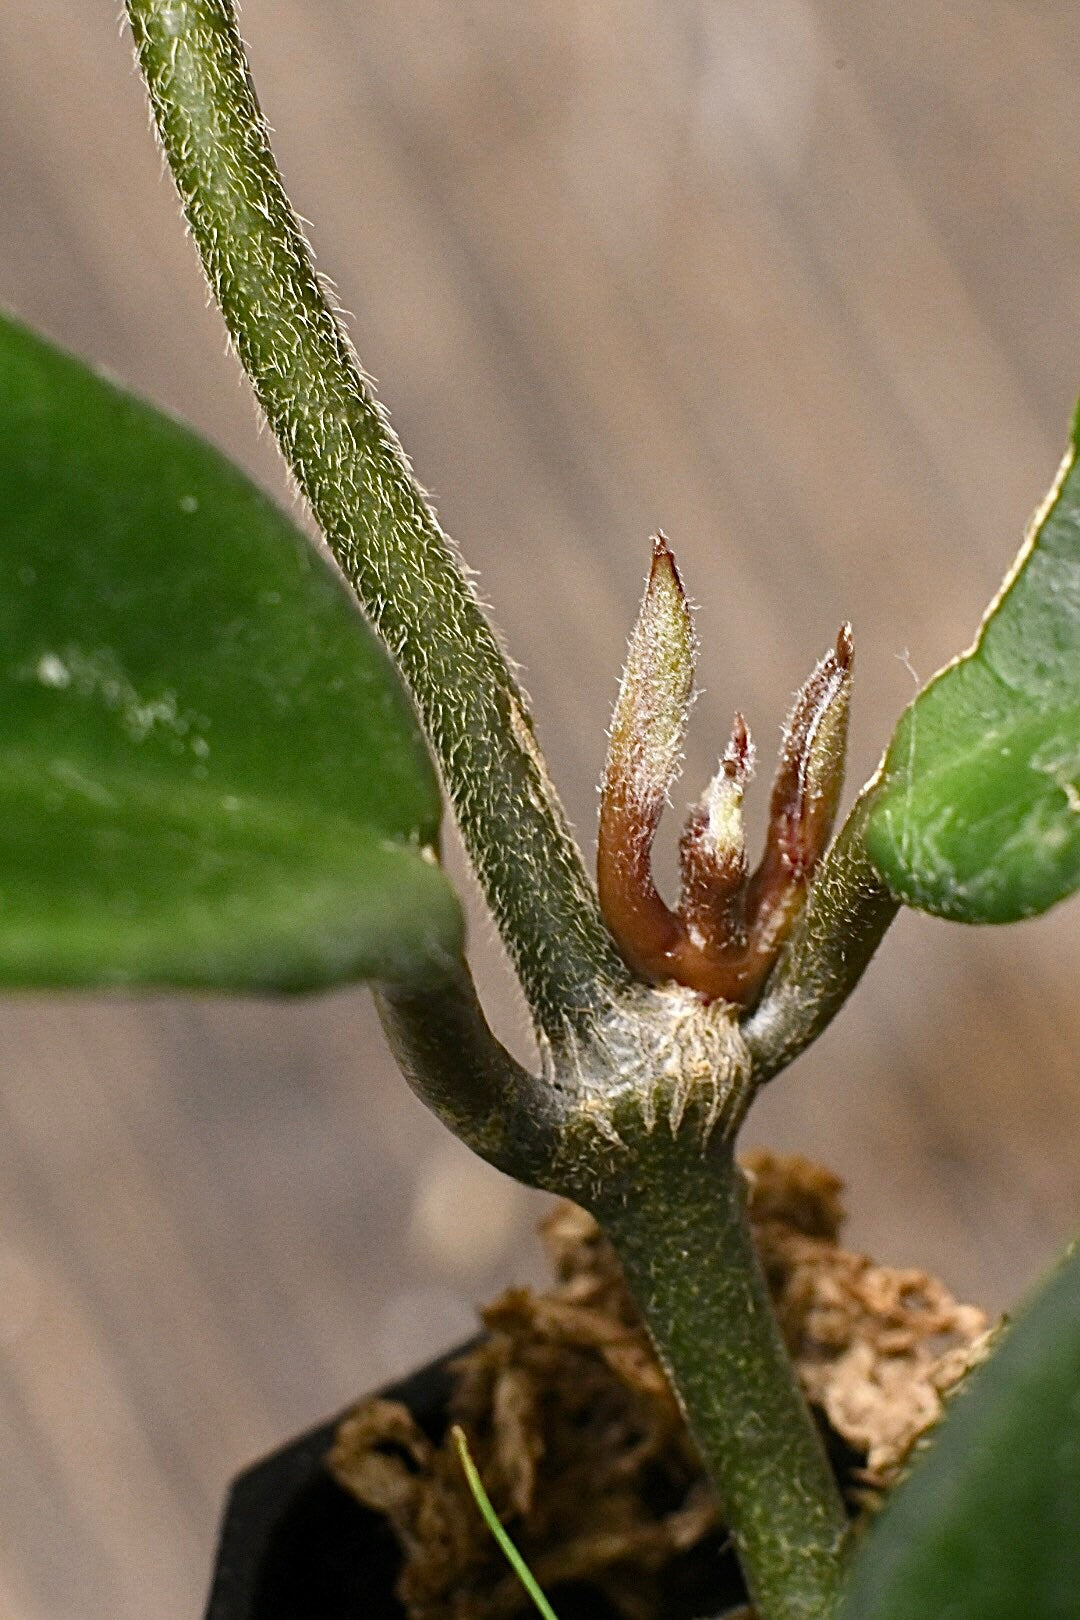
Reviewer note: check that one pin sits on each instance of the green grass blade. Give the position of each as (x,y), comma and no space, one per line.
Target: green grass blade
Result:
(494,1524)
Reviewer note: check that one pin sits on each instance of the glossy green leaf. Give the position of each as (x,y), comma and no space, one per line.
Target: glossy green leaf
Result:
(209,773)
(987,1526)
(977,817)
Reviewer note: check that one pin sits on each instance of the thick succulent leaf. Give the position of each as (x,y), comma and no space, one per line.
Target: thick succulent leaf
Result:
(987,1527)
(977,816)
(209,774)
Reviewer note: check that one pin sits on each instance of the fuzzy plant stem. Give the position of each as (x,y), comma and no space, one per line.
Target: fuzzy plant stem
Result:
(845,918)
(682,1234)
(449,1056)
(351,468)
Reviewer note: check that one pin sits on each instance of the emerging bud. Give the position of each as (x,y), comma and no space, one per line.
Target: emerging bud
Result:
(806,793)
(729,927)
(644,755)
(811,772)
(712,852)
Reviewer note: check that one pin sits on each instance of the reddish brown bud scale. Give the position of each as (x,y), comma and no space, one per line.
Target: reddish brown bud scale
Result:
(810,775)
(805,797)
(644,756)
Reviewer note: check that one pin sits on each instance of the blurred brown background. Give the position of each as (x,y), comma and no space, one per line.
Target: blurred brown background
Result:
(793,278)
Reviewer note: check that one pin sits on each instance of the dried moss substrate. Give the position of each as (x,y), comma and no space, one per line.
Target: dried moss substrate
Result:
(579,1440)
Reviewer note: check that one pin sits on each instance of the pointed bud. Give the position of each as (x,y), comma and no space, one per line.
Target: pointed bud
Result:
(649,722)
(806,793)
(644,755)
(713,852)
(810,777)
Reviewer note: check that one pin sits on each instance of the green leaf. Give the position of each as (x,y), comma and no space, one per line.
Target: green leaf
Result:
(977,816)
(987,1526)
(209,774)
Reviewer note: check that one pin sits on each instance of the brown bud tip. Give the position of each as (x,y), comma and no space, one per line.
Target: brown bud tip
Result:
(738,760)
(845,647)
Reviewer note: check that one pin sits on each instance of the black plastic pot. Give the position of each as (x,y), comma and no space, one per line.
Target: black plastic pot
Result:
(295,1546)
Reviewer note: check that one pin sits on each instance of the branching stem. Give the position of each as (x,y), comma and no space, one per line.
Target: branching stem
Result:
(674,1210)
(448,1054)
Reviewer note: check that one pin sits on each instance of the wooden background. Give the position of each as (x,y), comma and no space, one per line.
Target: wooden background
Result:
(795,279)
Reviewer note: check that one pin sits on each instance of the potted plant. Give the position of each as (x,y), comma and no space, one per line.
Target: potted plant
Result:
(202,809)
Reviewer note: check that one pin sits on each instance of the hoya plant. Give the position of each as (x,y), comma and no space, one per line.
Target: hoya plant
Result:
(219,774)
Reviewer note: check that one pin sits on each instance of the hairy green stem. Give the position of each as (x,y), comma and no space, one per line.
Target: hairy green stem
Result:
(846,916)
(448,1054)
(350,466)
(681,1231)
